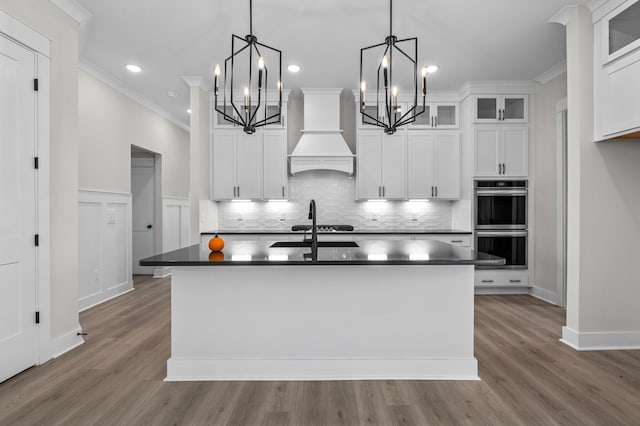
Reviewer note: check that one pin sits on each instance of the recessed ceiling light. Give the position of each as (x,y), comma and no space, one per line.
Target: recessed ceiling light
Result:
(172,94)
(134,68)
(188,110)
(293,68)
(432,69)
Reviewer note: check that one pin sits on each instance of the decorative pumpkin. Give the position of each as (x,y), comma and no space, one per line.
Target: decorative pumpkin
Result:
(216,256)
(216,243)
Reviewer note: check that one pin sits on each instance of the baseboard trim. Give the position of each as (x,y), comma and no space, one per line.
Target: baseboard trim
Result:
(601,341)
(544,295)
(161,272)
(320,369)
(65,343)
(501,290)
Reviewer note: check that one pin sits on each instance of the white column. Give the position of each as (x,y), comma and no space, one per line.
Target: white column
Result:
(603,230)
(204,214)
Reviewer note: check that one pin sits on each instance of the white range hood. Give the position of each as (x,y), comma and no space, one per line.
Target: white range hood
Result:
(321,146)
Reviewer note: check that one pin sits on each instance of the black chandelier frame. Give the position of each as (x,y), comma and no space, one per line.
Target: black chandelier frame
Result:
(393,121)
(244,116)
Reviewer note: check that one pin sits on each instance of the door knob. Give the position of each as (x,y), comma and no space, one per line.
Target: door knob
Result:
(149,226)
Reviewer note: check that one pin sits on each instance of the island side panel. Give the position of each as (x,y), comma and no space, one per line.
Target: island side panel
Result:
(322,322)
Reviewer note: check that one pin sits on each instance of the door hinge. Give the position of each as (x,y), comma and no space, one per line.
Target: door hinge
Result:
(37,240)
(35,84)
(37,317)
(36,163)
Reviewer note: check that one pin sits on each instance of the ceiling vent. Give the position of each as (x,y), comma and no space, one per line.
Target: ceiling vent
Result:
(321,146)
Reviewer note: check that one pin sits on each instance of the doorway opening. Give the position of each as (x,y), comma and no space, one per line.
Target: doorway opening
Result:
(146,213)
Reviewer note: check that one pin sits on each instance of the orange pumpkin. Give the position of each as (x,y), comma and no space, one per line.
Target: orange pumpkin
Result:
(216,256)
(216,243)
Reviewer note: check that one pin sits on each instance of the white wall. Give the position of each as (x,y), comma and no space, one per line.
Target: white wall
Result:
(603,214)
(109,123)
(546,185)
(46,18)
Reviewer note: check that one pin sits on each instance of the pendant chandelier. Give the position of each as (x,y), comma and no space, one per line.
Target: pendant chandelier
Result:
(390,64)
(245,92)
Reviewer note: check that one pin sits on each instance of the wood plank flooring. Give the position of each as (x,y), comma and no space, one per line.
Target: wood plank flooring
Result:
(528,377)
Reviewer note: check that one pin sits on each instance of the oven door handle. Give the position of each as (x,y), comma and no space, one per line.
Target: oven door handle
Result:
(502,233)
(503,193)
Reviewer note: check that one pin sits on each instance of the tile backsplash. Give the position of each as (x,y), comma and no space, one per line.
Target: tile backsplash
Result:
(334,194)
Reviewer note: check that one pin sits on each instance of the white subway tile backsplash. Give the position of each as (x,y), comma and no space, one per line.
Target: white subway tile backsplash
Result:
(334,194)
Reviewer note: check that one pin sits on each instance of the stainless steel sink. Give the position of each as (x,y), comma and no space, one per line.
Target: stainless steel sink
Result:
(333,244)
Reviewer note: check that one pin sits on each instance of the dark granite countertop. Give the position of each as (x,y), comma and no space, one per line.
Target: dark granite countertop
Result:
(354,232)
(375,252)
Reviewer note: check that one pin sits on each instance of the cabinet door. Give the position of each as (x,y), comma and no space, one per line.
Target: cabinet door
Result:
(223,165)
(446,166)
(515,150)
(368,173)
(486,109)
(274,183)
(515,108)
(394,166)
(486,151)
(420,183)
(248,166)
(219,120)
(446,116)
(424,120)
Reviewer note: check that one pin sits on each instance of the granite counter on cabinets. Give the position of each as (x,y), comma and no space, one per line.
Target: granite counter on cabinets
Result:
(384,310)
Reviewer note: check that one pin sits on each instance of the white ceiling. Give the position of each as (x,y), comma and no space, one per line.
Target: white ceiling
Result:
(470,40)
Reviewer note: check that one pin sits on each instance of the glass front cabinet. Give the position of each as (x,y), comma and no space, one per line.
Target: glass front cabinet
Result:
(502,108)
(438,116)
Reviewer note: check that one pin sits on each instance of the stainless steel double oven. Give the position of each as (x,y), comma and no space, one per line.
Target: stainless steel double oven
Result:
(501,220)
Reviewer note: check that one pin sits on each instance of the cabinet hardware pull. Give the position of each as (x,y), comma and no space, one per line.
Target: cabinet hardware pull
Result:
(436,121)
(457,241)
(383,191)
(234,192)
(436,192)
(515,281)
(238,192)
(487,281)
(432,191)
(283,192)
(504,169)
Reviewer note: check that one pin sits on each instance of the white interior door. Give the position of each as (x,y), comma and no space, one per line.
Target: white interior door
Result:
(18,337)
(143,212)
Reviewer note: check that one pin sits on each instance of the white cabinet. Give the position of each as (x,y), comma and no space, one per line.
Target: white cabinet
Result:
(433,165)
(381,160)
(236,165)
(501,151)
(274,165)
(501,108)
(218,120)
(438,116)
(492,278)
(617,67)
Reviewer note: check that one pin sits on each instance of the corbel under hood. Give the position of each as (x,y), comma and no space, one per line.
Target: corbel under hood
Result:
(321,146)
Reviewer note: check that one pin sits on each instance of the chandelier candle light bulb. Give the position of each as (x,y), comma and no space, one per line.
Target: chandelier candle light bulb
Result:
(394,93)
(216,73)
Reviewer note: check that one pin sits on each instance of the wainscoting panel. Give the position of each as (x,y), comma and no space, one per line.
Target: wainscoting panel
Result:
(176,225)
(105,246)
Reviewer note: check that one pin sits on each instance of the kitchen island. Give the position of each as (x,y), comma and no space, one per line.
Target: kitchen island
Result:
(382,310)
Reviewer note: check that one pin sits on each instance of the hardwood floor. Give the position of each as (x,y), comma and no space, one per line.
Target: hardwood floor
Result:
(528,377)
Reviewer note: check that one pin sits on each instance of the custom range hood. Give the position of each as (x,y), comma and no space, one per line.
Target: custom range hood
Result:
(321,146)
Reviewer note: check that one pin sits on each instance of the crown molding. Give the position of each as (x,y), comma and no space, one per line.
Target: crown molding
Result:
(553,72)
(73,9)
(562,16)
(496,87)
(196,81)
(123,88)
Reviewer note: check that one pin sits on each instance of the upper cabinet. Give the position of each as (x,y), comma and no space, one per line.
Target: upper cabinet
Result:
(433,165)
(438,116)
(617,67)
(501,108)
(236,165)
(501,151)
(274,165)
(381,163)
